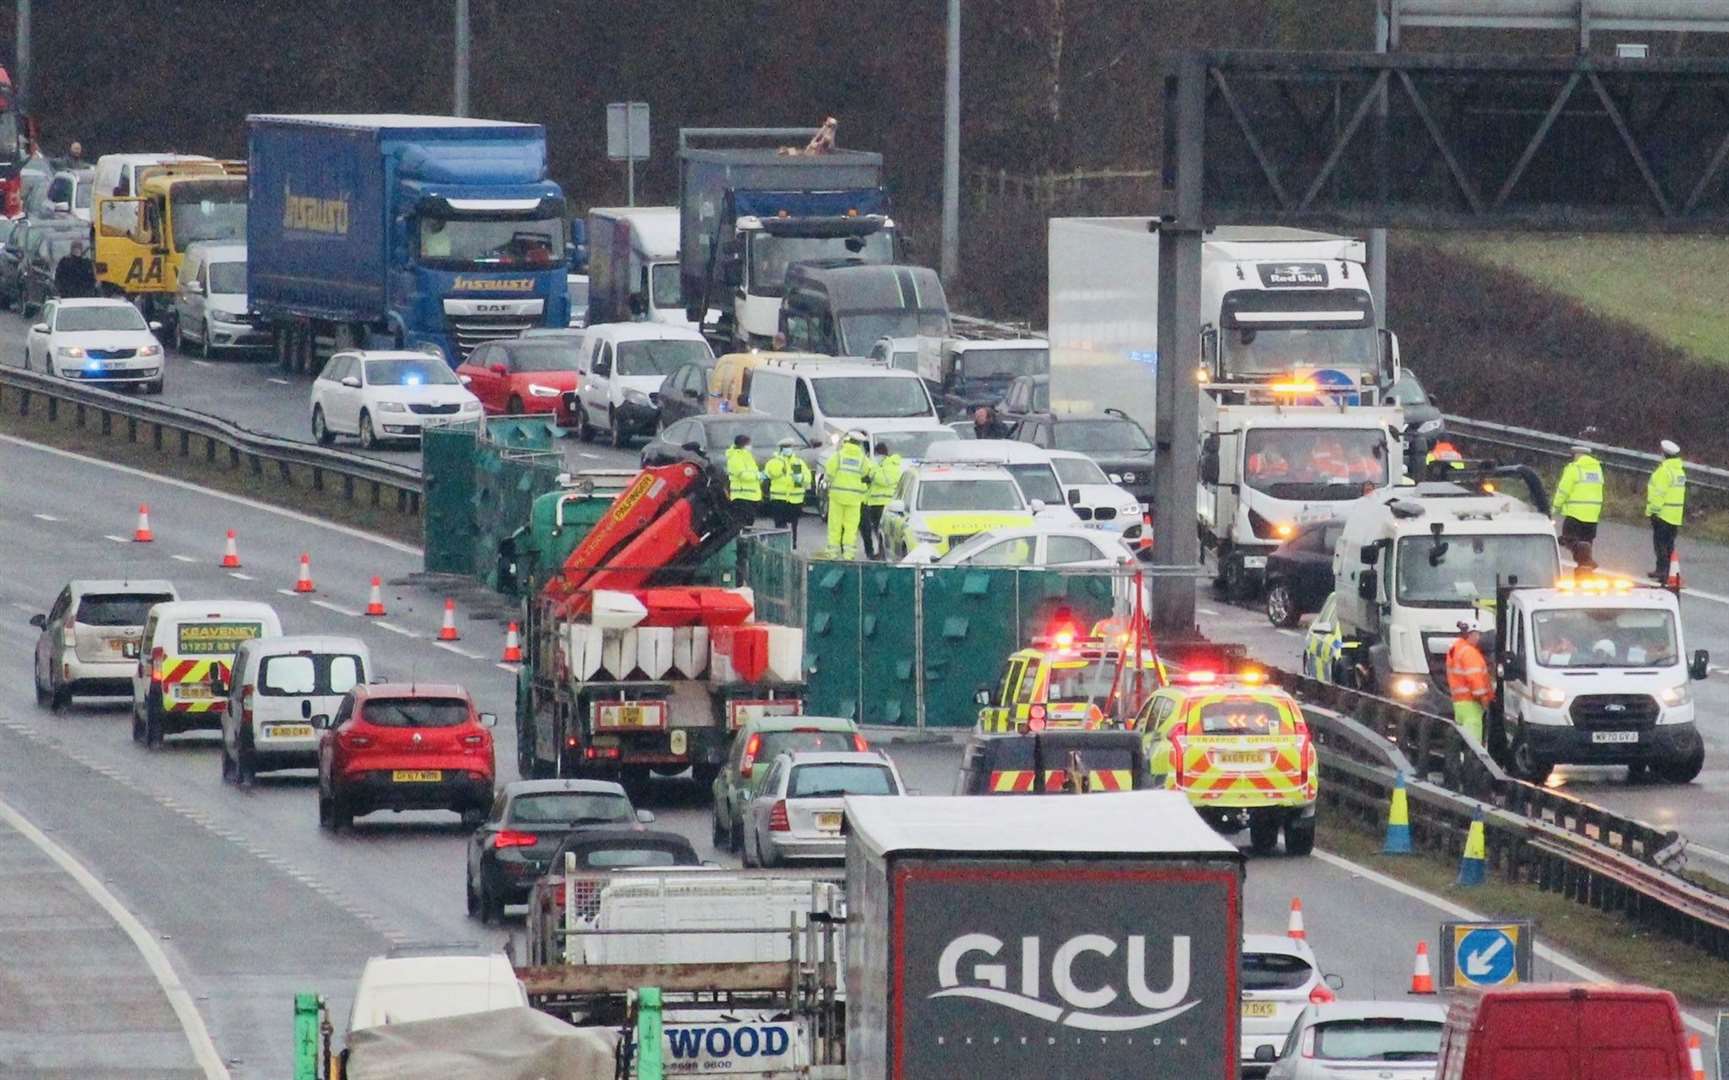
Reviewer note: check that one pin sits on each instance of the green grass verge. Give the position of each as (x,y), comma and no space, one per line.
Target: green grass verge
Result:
(1602,940)
(268,488)
(1672,287)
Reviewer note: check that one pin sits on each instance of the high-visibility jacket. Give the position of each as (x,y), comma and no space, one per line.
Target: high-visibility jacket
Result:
(1468,673)
(1666,491)
(849,473)
(788,477)
(884,480)
(1579,495)
(743,479)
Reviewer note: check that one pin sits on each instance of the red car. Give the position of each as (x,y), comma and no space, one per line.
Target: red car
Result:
(523,376)
(395,746)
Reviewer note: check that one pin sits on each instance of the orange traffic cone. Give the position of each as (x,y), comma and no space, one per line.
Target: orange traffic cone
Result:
(1295,929)
(512,646)
(1422,981)
(1695,1057)
(447,632)
(303,584)
(375,603)
(231,554)
(1674,581)
(142,534)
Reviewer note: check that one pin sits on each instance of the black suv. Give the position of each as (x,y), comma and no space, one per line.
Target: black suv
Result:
(1119,445)
(1011,764)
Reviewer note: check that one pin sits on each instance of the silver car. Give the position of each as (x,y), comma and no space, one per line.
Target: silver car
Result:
(796,811)
(89,640)
(1363,1040)
(1281,978)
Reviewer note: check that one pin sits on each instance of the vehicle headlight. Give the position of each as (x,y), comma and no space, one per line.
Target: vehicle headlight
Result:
(68,350)
(1552,696)
(465,379)
(1407,687)
(636,397)
(1675,695)
(225,317)
(1118,478)
(392,406)
(471,406)
(1429,425)
(150,350)
(537,390)
(1128,477)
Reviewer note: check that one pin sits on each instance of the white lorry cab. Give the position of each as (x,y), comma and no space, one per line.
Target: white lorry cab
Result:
(1415,561)
(1594,671)
(1268,469)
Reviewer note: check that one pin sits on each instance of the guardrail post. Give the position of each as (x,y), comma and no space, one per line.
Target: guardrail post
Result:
(78,413)
(156,438)
(131,429)
(317,478)
(186,444)
(107,422)
(210,445)
(53,408)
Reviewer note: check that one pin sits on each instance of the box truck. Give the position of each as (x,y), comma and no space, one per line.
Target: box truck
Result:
(633,269)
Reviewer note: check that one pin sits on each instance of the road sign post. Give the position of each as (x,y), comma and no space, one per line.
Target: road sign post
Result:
(627,139)
(1485,954)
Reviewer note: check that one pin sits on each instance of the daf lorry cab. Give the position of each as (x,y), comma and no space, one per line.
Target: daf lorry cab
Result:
(1412,562)
(1594,671)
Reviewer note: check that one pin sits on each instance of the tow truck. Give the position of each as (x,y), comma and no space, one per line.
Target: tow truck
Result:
(1240,750)
(141,239)
(635,660)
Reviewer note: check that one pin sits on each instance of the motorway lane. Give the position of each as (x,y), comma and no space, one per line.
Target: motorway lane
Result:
(251,899)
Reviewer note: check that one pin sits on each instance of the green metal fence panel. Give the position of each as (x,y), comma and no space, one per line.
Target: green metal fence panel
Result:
(447,464)
(888,667)
(970,623)
(777,577)
(833,679)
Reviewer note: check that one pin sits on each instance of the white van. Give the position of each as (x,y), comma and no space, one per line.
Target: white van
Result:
(183,642)
(276,689)
(400,987)
(825,400)
(210,305)
(1029,465)
(623,367)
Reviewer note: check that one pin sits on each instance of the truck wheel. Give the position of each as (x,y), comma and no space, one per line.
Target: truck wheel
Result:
(1239,584)
(281,342)
(1299,836)
(1263,834)
(1682,771)
(1528,767)
(1282,606)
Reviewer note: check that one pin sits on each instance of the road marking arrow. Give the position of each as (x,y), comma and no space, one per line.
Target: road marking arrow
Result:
(1477,963)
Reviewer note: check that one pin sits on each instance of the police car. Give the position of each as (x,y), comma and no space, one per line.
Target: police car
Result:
(1240,749)
(938,506)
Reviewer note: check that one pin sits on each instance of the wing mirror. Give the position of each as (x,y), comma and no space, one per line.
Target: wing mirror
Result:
(1368,584)
(194,288)
(488,719)
(1265,1052)
(155,327)
(1513,668)
(39,328)
(1337,982)
(982,696)
(1210,467)
(1369,554)
(1701,665)
(1038,506)
(896,506)
(40,622)
(645,817)
(351,382)
(1074,496)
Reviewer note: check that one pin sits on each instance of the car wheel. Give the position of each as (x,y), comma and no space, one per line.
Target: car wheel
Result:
(614,433)
(230,774)
(736,836)
(326,812)
(584,429)
(137,726)
(473,900)
(513,406)
(42,695)
(321,428)
(1527,766)
(721,838)
(747,850)
(1299,836)
(204,348)
(368,438)
(59,697)
(152,728)
(179,338)
(1282,605)
(491,906)
(1680,772)
(245,763)
(341,814)
(1263,834)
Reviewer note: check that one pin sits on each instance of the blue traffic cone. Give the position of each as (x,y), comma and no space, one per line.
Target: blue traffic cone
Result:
(1398,821)
(1473,868)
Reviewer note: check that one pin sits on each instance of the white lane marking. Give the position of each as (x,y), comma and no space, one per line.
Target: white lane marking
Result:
(44,517)
(108,536)
(1206,611)
(201,363)
(395,629)
(512,668)
(240,577)
(287,592)
(278,382)
(1458,911)
(179,998)
(586,454)
(1288,632)
(238,500)
(338,608)
(448,647)
(182,558)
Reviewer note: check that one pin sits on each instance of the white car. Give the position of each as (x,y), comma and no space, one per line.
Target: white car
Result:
(1281,978)
(383,395)
(1040,547)
(623,365)
(93,340)
(1364,1040)
(210,306)
(1099,503)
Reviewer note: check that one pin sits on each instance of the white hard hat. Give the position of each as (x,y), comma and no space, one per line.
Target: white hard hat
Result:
(857,436)
(1669,446)
(788,443)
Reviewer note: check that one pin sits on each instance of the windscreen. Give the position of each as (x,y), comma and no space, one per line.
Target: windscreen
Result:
(1001,365)
(1275,971)
(620,858)
(1237,717)
(228,278)
(120,316)
(859,329)
(409,371)
(310,673)
(832,780)
(1277,331)
(1605,637)
(869,396)
(544,356)
(1099,436)
(771,255)
(457,243)
(1407,391)
(664,285)
(571,808)
(764,434)
(116,609)
(81,196)
(1037,481)
(980,494)
(1082,682)
(1074,472)
(207,212)
(1458,570)
(775,743)
(656,357)
(1313,464)
(1376,1039)
(912,444)
(415,712)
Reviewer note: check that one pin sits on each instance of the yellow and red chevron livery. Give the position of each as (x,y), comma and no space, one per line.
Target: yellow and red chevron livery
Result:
(1020,781)
(186,686)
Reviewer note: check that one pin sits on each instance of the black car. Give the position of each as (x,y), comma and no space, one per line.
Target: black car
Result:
(1111,438)
(37,286)
(1026,395)
(714,432)
(1424,425)
(14,256)
(685,392)
(1300,572)
(1010,764)
(528,821)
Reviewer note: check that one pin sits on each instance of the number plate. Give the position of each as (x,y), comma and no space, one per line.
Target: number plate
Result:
(829,821)
(1614,736)
(191,691)
(288,731)
(1240,757)
(1254,562)
(1260,1009)
(417,776)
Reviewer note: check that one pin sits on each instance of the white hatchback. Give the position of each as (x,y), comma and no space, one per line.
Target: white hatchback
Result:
(386,395)
(96,340)
(1280,978)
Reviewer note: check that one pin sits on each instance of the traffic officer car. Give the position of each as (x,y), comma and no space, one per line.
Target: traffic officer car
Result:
(1240,749)
(89,640)
(1060,681)
(938,506)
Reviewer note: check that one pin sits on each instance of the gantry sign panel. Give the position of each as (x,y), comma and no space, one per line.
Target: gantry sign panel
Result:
(1363,140)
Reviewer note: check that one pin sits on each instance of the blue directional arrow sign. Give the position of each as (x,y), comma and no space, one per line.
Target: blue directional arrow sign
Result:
(1485,955)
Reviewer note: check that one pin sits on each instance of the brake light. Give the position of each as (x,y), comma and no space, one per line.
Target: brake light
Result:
(246,705)
(777,821)
(1322,995)
(1303,774)
(510,838)
(1309,1043)
(157,656)
(752,747)
(592,752)
(474,740)
(859,744)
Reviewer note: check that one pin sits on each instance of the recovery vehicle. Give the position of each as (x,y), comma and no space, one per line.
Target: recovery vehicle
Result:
(140,239)
(631,665)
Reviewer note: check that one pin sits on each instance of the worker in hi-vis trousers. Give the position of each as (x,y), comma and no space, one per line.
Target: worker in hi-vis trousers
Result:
(849,473)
